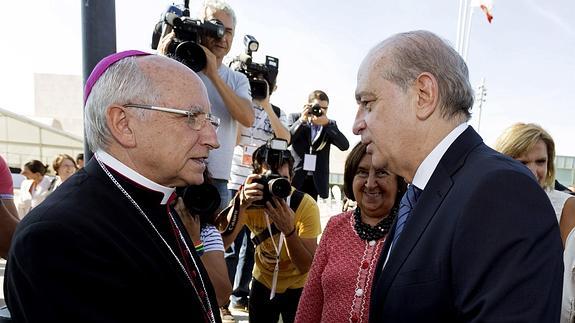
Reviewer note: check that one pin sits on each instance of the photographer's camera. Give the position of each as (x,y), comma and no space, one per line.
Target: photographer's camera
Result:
(316,110)
(262,77)
(274,184)
(189,33)
(202,200)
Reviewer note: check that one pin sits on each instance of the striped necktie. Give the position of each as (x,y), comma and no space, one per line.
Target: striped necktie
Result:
(405,206)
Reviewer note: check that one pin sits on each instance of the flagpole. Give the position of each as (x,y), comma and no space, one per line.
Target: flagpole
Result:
(465,47)
(460,22)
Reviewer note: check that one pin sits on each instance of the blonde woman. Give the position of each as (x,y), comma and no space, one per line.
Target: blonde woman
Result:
(534,147)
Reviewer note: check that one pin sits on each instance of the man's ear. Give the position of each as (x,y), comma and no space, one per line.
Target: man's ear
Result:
(118,121)
(427,93)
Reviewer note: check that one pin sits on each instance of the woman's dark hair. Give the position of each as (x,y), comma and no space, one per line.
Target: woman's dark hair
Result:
(203,199)
(36,166)
(350,169)
(351,165)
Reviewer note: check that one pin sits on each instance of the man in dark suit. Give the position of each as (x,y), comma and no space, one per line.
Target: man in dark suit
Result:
(467,245)
(312,135)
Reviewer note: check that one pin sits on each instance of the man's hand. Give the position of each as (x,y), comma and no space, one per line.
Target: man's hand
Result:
(211,69)
(282,215)
(305,114)
(166,39)
(321,120)
(251,192)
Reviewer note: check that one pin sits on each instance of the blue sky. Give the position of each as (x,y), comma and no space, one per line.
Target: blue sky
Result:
(526,55)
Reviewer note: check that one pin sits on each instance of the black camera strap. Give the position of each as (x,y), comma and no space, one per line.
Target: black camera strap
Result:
(225,224)
(295,200)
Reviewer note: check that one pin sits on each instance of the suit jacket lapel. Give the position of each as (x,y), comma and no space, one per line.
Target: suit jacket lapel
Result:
(437,188)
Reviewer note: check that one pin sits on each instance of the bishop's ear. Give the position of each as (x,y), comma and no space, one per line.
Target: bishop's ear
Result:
(427,95)
(118,120)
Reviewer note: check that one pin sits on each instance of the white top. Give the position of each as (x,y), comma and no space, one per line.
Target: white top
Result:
(427,167)
(29,199)
(558,200)
(250,139)
(134,176)
(220,160)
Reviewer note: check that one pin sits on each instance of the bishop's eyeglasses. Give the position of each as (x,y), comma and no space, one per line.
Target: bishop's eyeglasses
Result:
(196,119)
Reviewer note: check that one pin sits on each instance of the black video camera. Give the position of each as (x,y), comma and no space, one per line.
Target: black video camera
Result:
(269,71)
(275,154)
(316,110)
(189,34)
(202,200)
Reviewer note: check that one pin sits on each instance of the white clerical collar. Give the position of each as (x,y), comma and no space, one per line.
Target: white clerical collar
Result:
(134,176)
(427,167)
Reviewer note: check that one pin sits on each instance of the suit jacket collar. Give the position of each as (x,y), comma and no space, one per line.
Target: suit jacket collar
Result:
(437,188)
(427,167)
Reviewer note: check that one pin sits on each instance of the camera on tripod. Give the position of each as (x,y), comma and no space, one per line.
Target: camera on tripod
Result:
(275,185)
(189,34)
(255,71)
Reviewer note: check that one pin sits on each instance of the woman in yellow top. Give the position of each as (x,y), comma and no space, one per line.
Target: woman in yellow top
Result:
(284,254)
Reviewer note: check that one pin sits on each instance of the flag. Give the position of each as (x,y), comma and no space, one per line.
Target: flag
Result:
(486,6)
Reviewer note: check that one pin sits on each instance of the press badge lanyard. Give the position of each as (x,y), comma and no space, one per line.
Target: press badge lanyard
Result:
(278,249)
(309,160)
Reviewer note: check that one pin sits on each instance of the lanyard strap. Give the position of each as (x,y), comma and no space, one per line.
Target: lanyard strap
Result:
(278,249)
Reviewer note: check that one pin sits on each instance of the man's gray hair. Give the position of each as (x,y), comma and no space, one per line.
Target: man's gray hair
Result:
(122,83)
(218,5)
(415,52)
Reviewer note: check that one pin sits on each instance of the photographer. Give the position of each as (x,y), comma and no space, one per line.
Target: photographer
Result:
(312,135)
(270,122)
(228,90)
(283,259)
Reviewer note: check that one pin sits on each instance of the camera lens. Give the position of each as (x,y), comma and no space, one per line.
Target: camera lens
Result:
(259,89)
(191,55)
(280,187)
(203,200)
(316,110)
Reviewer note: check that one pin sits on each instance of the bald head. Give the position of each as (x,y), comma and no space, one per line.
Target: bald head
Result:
(401,58)
(171,78)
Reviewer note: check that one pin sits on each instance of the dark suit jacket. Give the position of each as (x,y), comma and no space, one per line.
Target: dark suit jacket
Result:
(300,144)
(481,245)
